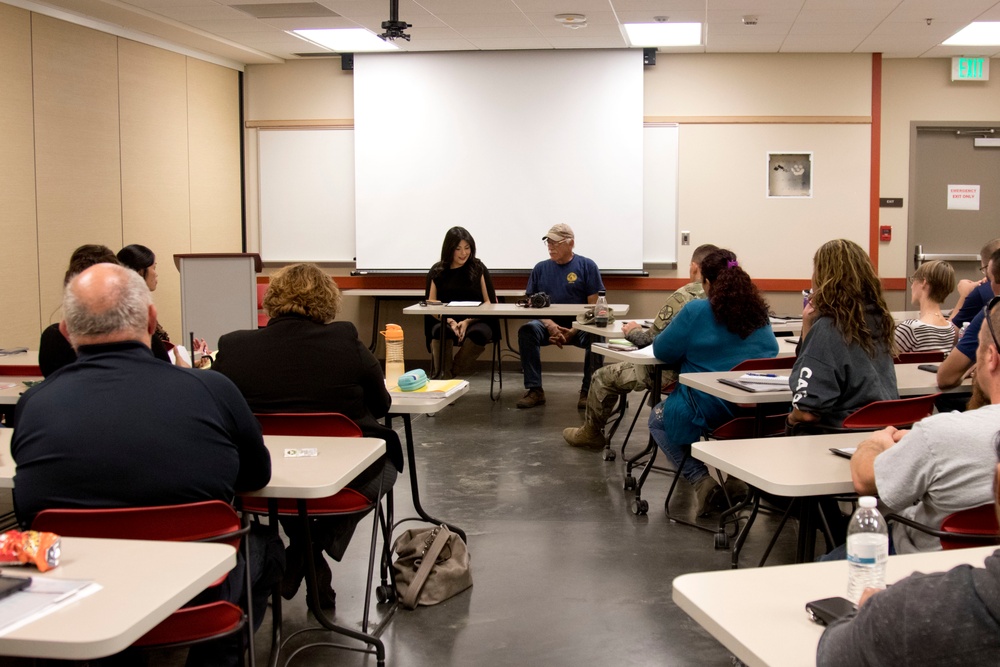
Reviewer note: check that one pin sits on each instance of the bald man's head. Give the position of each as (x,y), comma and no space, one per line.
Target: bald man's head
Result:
(107,304)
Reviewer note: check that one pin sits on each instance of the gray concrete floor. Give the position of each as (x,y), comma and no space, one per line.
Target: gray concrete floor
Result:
(564,573)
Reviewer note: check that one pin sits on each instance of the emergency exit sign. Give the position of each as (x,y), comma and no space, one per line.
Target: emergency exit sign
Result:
(970,69)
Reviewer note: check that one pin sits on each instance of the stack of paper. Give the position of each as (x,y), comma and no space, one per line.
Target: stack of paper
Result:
(433,389)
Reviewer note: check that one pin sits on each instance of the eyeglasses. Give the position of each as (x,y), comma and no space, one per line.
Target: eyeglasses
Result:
(989,322)
(550,243)
(982,269)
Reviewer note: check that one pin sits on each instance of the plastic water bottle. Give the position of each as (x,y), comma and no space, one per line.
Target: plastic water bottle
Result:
(867,549)
(394,365)
(601,310)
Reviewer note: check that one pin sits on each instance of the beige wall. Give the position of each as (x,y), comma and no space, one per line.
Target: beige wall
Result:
(921,91)
(107,141)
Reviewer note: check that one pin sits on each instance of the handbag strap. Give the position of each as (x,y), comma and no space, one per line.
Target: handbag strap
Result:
(427,561)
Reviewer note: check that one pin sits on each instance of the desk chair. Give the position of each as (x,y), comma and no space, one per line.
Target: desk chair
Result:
(21,369)
(343,503)
(931,357)
(207,521)
(972,527)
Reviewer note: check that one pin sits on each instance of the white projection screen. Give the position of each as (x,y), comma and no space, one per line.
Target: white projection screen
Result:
(505,144)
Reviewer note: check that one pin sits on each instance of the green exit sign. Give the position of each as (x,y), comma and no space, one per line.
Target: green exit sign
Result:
(970,69)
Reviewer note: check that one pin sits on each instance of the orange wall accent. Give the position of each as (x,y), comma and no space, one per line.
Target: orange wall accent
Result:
(876,161)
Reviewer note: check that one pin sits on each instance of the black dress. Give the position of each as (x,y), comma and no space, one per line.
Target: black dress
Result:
(462,284)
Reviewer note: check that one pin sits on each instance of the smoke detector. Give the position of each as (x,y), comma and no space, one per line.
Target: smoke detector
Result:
(749,20)
(571,21)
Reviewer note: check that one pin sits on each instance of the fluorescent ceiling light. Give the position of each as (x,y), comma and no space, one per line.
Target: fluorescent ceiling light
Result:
(663,34)
(980,33)
(346,40)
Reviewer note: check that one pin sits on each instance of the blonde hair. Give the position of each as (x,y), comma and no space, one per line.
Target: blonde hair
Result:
(303,289)
(845,285)
(940,279)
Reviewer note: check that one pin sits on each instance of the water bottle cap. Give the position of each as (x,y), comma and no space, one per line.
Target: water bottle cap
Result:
(867,502)
(392,332)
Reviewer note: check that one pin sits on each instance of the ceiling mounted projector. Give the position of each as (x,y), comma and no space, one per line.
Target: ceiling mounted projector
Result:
(394,27)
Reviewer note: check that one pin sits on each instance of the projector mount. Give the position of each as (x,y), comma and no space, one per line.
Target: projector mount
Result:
(394,27)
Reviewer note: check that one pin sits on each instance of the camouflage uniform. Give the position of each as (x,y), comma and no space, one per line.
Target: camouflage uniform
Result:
(610,382)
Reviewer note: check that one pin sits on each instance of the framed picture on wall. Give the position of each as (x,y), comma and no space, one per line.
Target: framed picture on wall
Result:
(789,174)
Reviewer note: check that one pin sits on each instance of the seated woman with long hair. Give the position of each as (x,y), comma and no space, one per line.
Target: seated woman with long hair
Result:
(304,361)
(930,285)
(459,276)
(845,357)
(708,335)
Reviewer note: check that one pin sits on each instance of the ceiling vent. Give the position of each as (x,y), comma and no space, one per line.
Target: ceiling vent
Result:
(290,10)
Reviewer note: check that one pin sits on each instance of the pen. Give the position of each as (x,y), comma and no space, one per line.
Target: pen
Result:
(763,375)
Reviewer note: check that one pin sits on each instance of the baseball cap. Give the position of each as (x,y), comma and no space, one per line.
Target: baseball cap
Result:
(559,232)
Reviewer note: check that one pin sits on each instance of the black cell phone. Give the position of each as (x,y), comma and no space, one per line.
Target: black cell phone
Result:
(10,585)
(930,368)
(828,610)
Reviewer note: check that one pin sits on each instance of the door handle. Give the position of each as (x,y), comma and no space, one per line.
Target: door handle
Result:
(919,257)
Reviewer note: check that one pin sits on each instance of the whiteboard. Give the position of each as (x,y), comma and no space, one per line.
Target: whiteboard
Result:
(306,179)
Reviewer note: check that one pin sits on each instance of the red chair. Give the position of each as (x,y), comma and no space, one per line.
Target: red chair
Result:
(23,369)
(342,503)
(262,318)
(901,413)
(207,521)
(974,527)
(932,357)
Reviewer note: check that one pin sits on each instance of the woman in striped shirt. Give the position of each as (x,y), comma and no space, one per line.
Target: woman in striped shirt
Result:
(931,284)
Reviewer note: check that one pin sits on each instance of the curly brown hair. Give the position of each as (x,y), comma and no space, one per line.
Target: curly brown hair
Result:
(845,285)
(303,289)
(735,300)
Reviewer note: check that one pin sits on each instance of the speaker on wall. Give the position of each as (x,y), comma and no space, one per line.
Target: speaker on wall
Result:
(347,62)
(649,56)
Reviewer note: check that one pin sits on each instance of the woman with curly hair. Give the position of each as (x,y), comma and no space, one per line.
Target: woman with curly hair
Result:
(304,361)
(459,276)
(845,358)
(731,326)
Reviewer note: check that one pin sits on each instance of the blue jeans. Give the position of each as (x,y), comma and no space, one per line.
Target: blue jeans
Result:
(531,338)
(677,444)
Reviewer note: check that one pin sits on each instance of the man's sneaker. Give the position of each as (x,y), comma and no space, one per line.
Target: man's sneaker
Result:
(532,398)
(582,403)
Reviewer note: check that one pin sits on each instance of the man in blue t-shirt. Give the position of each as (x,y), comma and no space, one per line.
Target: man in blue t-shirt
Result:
(567,278)
(972,296)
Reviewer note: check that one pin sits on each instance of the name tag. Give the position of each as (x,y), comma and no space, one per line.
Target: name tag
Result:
(299,453)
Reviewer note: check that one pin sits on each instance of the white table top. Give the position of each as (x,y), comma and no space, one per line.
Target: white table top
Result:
(794,466)
(910,380)
(29,358)
(10,395)
(6,462)
(786,326)
(510,310)
(421,404)
(759,613)
(338,461)
(131,601)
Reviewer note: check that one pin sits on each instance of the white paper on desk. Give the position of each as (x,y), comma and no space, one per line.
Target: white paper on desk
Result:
(464,304)
(769,380)
(7,385)
(44,596)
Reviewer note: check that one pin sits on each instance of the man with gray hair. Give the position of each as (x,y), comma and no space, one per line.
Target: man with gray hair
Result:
(119,428)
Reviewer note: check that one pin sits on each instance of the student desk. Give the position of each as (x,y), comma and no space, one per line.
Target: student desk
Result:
(339,460)
(760,614)
(29,358)
(10,395)
(800,467)
(406,405)
(142,582)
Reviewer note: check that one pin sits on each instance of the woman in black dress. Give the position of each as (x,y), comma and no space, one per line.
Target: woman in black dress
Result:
(459,276)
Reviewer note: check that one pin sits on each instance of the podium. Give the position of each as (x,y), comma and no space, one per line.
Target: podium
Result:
(218,294)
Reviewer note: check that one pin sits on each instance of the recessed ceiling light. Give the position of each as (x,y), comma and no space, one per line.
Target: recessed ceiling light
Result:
(663,34)
(980,33)
(346,40)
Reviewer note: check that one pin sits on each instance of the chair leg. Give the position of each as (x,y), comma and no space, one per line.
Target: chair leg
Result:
(774,538)
(635,419)
(496,370)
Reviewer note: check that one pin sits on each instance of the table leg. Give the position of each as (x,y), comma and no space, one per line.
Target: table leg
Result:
(806,549)
(312,598)
(375,323)
(411,461)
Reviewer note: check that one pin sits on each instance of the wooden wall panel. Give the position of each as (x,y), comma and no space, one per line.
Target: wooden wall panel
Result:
(154,158)
(214,149)
(78,177)
(18,247)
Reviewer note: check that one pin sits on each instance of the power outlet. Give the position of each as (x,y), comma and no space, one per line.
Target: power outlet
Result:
(685,238)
